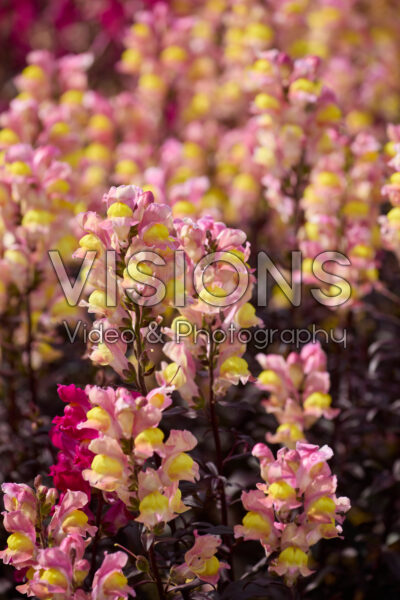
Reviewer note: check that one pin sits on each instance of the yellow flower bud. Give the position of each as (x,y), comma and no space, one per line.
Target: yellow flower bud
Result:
(79,577)
(156,233)
(17,257)
(19,542)
(215,290)
(154,502)
(265,156)
(281,490)
(269,377)
(312,231)
(132,58)
(73,158)
(357,120)
(307,86)
(318,400)
(393,215)
(34,72)
(323,17)
(362,251)
(119,209)
(179,466)
(372,274)
(105,465)
(255,521)
(234,35)
(37,217)
(66,245)
(294,431)
(294,557)
(234,365)
(59,186)
(91,242)
(157,400)
(173,374)
(98,299)
(328,179)
(395,179)
(72,97)
(245,183)
(210,567)
(77,518)
(200,105)
(183,208)
(258,32)
(263,66)
(100,122)
(54,577)
(174,54)
(152,436)
(141,30)
(330,113)
(101,416)
(356,208)
(150,82)
(390,149)
(93,176)
(60,129)
(307,266)
(246,315)
(116,580)
(19,168)
(214,198)
(265,101)
(296,7)
(126,167)
(8,137)
(181,175)
(98,153)
(322,506)
(229,92)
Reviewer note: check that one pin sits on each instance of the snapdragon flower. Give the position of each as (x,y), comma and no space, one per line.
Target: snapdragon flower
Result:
(294,508)
(298,390)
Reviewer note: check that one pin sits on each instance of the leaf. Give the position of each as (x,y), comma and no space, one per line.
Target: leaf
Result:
(261,588)
(213,529)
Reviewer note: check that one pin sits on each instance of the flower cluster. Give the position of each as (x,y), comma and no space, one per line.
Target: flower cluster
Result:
(47,543)
(298,392)
(201,560)
(107,437)
(226,125)
(294,508)
(202,262)
(390,223)
(237,113)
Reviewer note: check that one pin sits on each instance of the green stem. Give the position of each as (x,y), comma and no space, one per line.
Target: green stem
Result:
(139,352)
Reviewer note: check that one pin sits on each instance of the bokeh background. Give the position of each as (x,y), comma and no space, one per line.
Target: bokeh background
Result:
(363,69)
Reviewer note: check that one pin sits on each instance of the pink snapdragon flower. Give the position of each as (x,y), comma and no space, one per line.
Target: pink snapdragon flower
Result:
(201,560)
(294,508)
(109,582)
(21,543)
(70,518)
(59,570)
(298,392)
(158,503)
